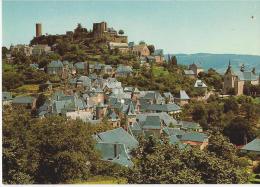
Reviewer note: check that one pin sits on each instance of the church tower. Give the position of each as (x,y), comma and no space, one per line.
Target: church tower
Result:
(229,80)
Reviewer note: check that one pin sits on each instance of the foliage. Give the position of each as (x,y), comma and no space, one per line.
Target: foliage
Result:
(239,131)
(231,104)
(166,164)
(50,150)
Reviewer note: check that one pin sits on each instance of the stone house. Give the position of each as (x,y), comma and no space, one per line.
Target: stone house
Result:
(122,47)
(182,98)
(115,146)
(141,50)
(236,81)
(196,68)
(26,101)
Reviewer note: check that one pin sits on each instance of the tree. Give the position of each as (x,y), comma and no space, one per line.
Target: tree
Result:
(40,100)
(67,154)
(142,42)
(221,146)
(121,32)
(239,131)
(160,163)
(231,104)
(151,48)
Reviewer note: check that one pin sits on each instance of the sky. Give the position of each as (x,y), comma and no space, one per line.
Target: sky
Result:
(175,26)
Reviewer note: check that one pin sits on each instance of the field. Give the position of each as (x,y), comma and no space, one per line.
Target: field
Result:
(159,71)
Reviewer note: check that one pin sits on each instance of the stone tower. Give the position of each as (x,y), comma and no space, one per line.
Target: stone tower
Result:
(99,29)
(38,29)
(229,80)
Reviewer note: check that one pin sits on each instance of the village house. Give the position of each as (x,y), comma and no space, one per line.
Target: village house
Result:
(122,47)
(40,49)
(196,68)
(123,71)
(201,86)
(115,146)
(26,49)
(141,50)
(190,74)
(182,98)
(252,147)
(7,98)
(234,82)
(158,56)
(55,68)
(195,139)
(27,101)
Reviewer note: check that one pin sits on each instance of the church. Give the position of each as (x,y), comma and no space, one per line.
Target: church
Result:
(234,82)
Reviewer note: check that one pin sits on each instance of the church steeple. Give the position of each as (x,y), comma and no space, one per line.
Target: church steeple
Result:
(229,69)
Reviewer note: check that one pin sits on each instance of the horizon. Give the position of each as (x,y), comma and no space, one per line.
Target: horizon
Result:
(239,34)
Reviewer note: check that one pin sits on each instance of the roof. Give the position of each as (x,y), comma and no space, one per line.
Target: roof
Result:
(124,69)
(194,137)
(139,47)
(170,107)
(183,95)
(118,135)
(152,122)
(6,96)
(168,94)
(173,131)
(80,65)
(115,153)
(200,84)
(23,100)
(189,72)
(114,45)
(189,125)
(253,145)
(158,52)
(55,64)
(247,76)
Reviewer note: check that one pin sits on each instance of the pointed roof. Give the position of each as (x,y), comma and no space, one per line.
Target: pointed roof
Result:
(183,95)
(130,110)
(136,90)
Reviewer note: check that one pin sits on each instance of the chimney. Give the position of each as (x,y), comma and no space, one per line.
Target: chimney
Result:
(38,29)
(86,68)
(115,150)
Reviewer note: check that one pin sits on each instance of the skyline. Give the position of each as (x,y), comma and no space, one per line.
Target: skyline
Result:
(176,27)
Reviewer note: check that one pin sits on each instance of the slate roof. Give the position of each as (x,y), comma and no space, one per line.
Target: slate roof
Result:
(174,131)
(124,69)
(118,135)
(170,107)
(168,95)
(252,146)
(183,95)
(186,125)
(6,96)
(115,153)
(152,122)
(80,65)
(130,111)
(23,100)
(55,64)
(158,52)
(200,84)
(194,137)
(247,76)
(189,72)
(166,118)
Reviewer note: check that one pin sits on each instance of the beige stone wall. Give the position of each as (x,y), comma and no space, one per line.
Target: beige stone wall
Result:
(239,86)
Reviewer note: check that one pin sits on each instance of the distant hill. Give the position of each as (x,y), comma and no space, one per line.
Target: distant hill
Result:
(219,61)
